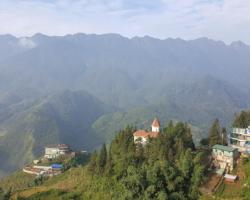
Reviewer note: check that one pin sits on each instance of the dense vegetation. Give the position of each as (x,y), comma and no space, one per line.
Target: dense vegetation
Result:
(237,191)
(166,168)
(242,120)
(216,135)
(65,117)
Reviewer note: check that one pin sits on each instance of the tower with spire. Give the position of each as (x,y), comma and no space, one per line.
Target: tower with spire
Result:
(155,125)
(142,136)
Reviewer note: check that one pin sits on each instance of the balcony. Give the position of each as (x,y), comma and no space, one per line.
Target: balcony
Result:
(238,138)
(240,131)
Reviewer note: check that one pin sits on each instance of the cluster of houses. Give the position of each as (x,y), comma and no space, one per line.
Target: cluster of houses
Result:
(40,170)
(54,151)
(224,158)
(51,152)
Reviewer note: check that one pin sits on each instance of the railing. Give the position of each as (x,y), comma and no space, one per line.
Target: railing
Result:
(239,131)
(238,139)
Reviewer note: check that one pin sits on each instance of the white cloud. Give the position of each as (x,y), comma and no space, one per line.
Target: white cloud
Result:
(226,20)
(26,43)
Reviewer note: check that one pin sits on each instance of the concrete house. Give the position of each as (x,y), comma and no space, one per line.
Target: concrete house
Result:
(53,151)
(224,157)
(240,138)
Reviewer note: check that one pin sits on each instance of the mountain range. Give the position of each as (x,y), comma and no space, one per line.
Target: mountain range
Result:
(80,89)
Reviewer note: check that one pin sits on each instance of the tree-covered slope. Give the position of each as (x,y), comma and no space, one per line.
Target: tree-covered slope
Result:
(198,104)
(65,117)
(167,168)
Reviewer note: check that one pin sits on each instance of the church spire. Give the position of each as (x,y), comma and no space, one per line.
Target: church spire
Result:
(155,125)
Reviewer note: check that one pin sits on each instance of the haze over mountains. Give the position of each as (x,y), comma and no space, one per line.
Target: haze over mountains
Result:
(79,89)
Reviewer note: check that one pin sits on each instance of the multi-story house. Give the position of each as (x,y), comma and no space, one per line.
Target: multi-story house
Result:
(224,156)
(53,151)
(240,138)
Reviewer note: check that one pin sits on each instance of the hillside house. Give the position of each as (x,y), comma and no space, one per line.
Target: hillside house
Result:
(53,151)
(224,157)
(240,138)
(40,170)
(142,136)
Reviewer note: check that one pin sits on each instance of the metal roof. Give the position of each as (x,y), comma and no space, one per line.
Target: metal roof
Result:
(224,148)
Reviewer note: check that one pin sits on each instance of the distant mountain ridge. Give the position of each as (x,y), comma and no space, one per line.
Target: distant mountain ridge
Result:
(129,81)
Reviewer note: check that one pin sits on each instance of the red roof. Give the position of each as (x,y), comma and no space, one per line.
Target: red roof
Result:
(156,123)
(145,134)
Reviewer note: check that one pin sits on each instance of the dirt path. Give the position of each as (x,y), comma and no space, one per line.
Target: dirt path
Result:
(211,184)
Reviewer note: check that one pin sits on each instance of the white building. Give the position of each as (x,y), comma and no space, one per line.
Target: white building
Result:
(55,151)
(240,138)
(224,156)
(141,136)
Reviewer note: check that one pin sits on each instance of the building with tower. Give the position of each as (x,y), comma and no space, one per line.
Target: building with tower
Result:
(142,136)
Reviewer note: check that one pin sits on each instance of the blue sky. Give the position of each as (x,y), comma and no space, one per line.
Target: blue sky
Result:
(227,20)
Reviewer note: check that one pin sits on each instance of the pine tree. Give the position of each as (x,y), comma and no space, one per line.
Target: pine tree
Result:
(1,193)
(242,120)
(102,159)
(185,163)
(214,133)
(109,164)
(224,136)
(179,147)
(93,162)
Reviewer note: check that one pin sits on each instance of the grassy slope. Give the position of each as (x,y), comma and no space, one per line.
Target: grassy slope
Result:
(16,181)
(237,191)
(76,183)
(73,183)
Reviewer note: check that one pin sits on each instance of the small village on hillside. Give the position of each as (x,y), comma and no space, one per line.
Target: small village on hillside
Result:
(53,162)
(223,158)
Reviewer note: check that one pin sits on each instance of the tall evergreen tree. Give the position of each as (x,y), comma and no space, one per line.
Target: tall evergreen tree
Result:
(1,193)
(109,163)
(93,162)
(242,120)
(102,159)
(214,133)
(224,136)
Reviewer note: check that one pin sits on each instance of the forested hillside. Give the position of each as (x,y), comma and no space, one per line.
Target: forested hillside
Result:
(167,168)
(65,117)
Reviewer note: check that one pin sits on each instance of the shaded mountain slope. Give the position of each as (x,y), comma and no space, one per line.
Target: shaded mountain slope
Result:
(113,67)
(62,118)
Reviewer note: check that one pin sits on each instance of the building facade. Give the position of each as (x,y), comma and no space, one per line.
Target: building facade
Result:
(55,151)
(240,138)
(142,136)
(224,156)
